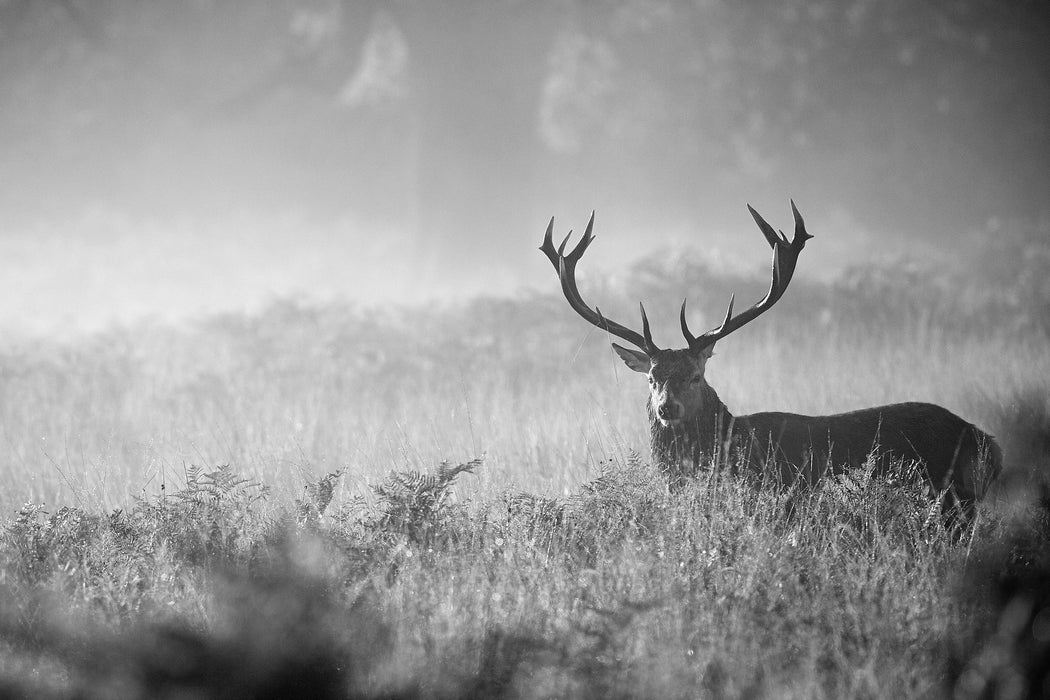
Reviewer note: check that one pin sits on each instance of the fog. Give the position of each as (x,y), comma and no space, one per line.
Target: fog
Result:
(166,160)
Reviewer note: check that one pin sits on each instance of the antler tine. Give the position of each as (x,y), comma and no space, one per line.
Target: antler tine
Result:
(784,267)
(729,311)
(800,226)
(785,255)
(689,337)
(588,235)
(565,264)
(548,237)
(554,254)
(564,241)
(771,235)
(647,336)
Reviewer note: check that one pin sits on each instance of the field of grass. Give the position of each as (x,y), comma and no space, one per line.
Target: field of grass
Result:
(252,505)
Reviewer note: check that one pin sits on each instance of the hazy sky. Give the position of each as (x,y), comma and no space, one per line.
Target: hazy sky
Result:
(175,158)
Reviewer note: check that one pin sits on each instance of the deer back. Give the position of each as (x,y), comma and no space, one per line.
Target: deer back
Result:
(953,452)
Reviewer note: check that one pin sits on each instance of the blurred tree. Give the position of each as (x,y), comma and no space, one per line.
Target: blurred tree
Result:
(919,116)
(471,121)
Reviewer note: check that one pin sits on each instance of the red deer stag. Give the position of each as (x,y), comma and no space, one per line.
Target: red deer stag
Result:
(689,424)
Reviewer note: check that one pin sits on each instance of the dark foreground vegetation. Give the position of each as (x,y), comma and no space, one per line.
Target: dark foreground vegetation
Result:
(620,590)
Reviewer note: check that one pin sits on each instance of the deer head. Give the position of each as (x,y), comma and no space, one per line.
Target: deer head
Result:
(676,377)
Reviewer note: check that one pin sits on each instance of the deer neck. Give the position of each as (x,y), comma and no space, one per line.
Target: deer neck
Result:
(680,449)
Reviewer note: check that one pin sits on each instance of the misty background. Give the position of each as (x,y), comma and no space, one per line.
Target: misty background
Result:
(163,160)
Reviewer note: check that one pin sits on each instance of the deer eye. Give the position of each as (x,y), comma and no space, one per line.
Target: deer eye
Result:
(695,379)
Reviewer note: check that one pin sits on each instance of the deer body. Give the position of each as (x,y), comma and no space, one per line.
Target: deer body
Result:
(690,425)
(789,448)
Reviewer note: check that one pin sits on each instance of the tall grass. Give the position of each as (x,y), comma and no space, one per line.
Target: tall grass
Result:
(298,391)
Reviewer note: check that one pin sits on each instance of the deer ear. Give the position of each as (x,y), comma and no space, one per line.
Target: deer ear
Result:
(635,359)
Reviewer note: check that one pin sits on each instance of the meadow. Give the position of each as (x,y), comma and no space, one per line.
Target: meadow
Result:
(455,500)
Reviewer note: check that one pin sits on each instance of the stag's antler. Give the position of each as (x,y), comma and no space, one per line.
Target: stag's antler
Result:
(785,255)
(566,268)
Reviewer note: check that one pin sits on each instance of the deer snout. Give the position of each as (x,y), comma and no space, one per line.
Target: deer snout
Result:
(669,410)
